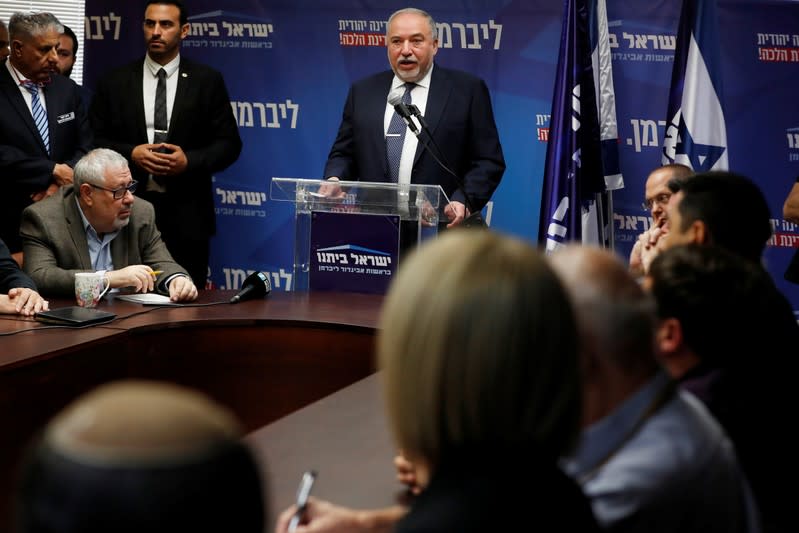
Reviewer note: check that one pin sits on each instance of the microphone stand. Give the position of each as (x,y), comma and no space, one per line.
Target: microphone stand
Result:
(475,218)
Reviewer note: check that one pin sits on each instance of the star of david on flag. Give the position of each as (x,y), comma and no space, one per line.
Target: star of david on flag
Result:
(696,134)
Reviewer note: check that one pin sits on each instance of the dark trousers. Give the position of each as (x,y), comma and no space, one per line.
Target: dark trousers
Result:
(188,249)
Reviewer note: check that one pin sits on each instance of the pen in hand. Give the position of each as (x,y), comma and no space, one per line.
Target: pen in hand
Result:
(302,498)
(156,273)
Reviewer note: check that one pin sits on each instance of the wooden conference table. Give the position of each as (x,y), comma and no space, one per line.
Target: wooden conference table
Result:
(263,359)
(345,438)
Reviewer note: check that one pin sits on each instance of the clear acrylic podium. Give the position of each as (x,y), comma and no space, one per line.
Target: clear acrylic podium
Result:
(414,210)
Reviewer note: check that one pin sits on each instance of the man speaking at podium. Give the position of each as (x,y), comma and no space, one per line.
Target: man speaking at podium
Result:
(373,143)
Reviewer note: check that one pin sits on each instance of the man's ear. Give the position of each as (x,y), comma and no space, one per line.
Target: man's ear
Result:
(699,232)
(673,354)
(16,48)
(85,194)
(669,337)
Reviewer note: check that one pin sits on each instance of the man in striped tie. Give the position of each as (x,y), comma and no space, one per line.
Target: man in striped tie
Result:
(43,125)
(372,144)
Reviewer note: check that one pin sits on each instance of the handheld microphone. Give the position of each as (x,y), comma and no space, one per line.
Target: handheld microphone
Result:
(395,99)
(406,111)
(256,285)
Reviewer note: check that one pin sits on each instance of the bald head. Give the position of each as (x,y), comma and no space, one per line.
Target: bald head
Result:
(657,191)
(589,271)
(140,422)
(616,317)
(138,456)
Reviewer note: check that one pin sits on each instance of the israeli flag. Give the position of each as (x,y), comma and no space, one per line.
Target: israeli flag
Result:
(595,220)
(575,172)
(696,134)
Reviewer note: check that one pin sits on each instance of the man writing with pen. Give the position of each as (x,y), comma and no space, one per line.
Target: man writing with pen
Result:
(98,225)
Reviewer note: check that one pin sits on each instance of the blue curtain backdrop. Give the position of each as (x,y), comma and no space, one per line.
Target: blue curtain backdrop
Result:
(288,65)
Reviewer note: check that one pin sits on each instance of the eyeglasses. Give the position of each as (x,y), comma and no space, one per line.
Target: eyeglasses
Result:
(120,192)
(660,199)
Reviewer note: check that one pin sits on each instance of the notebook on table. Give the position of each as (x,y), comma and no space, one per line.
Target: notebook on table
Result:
(75,316)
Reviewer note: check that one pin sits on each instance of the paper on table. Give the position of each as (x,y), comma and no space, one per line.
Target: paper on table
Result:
(148,298)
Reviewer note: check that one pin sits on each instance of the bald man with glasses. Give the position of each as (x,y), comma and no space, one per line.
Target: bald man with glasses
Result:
(97,225)
(656,196)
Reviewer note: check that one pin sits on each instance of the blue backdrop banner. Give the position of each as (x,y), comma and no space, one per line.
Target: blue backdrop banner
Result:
(288,66)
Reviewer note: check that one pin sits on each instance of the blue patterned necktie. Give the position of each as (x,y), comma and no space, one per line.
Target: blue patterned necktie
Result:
(39,115)
(395,136)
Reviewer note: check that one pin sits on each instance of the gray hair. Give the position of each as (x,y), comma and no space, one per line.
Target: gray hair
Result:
(91,167)
(415,11)
(30,24)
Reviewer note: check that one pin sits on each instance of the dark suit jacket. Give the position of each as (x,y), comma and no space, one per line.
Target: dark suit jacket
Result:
(55,243)
(500,495)
(792,272)
(202,123)
(11,276)
(461,120)
(25,166)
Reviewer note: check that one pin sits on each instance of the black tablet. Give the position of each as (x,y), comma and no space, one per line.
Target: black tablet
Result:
(75,316)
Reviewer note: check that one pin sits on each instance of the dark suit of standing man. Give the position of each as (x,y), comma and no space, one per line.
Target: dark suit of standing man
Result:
(457,110)
(28,170)
(202,137)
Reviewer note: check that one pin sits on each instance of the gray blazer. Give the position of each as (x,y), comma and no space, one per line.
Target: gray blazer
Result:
(55,246)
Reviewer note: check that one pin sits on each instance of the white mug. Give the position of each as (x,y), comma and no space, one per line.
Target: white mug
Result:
(90,287)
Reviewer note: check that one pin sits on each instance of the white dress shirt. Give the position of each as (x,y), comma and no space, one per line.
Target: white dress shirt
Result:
(19,77)
(419,99)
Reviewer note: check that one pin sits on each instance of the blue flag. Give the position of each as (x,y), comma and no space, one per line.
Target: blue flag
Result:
(696,134)
(574,172)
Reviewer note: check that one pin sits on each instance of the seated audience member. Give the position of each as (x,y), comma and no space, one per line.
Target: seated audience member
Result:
(790,212)
(651,457)
(656,198)
(17,291)
(480,376)
(139,456)
(98,225)
(727,334)
(720,208)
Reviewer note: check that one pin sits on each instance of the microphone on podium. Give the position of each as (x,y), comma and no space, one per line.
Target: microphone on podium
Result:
(407,112)
(257,285)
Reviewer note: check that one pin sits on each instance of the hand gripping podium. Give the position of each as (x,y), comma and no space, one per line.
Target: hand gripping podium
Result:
(350,235)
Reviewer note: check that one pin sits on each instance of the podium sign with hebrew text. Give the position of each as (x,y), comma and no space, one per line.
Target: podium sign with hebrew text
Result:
(353,252)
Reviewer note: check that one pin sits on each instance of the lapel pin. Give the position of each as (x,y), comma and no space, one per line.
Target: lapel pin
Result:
(184,75)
